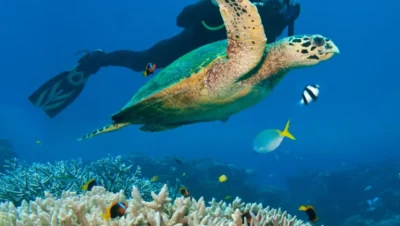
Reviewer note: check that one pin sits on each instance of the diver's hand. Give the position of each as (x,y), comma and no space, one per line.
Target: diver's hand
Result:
(91,62)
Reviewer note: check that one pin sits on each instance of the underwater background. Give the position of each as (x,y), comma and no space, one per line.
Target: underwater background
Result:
(352,130)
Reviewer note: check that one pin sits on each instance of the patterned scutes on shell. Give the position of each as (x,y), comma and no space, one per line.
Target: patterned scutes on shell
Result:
(184,67)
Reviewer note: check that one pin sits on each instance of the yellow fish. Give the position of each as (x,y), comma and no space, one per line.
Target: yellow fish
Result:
(38,142)
(155,178)
(228,197)
(222,178)
(183,174)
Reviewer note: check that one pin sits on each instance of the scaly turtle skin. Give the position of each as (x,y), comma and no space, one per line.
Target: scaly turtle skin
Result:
(220,79)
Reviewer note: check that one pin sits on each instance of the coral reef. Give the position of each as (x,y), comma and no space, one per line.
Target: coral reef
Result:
(6,152)
(86,209)
(200,176)
(26,182)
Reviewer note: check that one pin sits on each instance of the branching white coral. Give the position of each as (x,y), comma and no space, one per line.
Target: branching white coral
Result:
(86,209)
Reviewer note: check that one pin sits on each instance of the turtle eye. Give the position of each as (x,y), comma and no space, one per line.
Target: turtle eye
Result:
(318,41)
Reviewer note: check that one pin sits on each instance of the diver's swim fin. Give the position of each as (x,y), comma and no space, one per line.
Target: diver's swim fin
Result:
(59,92)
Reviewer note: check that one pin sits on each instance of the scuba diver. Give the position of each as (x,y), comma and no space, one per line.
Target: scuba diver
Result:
(202,24)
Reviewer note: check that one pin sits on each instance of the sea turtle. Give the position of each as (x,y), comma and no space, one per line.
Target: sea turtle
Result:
(220,79)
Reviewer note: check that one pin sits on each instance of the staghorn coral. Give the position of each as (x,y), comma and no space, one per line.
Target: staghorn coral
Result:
(86,209)
(26,182)
(6,152)
(200,177)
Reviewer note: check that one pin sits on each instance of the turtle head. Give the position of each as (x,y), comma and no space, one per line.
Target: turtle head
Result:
(307,50)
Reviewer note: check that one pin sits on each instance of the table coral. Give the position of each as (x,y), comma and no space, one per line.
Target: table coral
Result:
(86,209)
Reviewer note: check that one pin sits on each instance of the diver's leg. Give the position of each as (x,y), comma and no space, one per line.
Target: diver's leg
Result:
(60,91)
(162,53)
(294,14)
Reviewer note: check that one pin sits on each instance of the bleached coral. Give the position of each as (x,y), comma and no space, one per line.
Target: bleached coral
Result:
(86,209)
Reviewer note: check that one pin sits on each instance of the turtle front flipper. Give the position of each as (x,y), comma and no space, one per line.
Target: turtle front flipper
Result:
(105,129)
(246,44)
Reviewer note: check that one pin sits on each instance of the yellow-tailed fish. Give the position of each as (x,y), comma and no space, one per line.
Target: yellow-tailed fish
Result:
(270,139)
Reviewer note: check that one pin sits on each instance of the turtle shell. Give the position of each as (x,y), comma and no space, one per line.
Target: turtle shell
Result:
(183,68)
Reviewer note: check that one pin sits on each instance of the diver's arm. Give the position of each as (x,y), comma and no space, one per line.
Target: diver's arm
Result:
(159,54)
(125,58)
(296,12)
(194,13)
(295,15)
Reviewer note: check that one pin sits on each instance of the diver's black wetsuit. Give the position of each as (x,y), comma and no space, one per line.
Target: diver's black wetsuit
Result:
(194,35)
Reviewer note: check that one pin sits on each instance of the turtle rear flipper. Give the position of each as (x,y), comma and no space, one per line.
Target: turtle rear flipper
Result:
(246,43)
(105,129)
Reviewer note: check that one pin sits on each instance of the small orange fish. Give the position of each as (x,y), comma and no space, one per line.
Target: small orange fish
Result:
(150,68)
(116,209)
(185,193)
(90,184)
(246,214)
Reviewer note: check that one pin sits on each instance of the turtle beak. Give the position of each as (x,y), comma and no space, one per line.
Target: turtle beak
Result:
(329,50)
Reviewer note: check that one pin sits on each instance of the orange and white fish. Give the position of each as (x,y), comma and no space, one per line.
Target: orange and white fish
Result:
(116,209)
(150,68)
(310,211)
(184,192)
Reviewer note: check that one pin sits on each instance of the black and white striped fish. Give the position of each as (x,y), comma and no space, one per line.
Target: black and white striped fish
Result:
(310,93)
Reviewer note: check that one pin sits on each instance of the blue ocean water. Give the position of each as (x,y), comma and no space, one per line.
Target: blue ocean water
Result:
(355,120)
